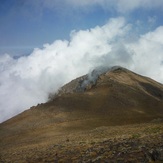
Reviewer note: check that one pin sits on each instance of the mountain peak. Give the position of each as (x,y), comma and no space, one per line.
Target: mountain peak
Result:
(86,82)
(108,76)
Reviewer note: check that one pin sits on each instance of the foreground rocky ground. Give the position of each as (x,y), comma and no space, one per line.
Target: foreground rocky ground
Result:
(119,144)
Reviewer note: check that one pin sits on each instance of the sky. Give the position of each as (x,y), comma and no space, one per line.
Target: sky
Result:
(46,43)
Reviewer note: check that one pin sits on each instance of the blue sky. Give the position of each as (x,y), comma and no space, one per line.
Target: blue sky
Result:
(25,25)
(44,44)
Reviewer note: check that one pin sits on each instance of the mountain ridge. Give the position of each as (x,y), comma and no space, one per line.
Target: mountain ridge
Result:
(86,82)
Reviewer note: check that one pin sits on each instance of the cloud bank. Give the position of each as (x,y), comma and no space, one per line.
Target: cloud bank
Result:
(28,80)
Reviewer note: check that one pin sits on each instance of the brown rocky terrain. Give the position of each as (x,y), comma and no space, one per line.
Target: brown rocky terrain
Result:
(110,115)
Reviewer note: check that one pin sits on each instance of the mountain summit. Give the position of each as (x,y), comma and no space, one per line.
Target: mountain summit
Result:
(114,96)
(105,97)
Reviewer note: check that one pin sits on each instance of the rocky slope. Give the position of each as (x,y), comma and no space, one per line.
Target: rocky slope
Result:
(94,107)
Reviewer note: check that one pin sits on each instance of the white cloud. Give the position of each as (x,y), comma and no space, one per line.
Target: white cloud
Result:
(148,56)
(28,80)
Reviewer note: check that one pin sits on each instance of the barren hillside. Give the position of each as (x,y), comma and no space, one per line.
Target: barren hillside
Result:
(102,106)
